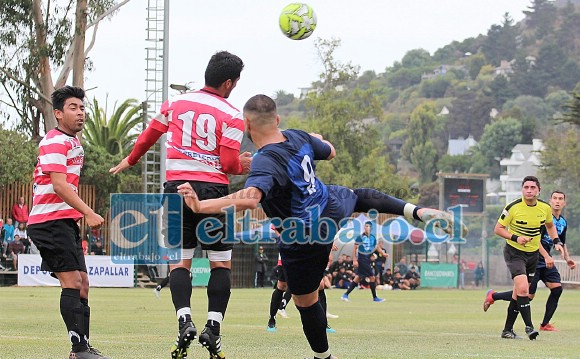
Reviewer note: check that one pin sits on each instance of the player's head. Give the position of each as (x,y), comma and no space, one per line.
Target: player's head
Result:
(558,200)
(368,226)
(223,70)
(69,108)
(530,187)
(260,115)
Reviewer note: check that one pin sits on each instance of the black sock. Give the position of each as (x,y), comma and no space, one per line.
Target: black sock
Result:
(164,282)
(322,299)
(275,302)
(524,308)
(218,295)
(314,326)
(351,287)
(180,285)
(552,304)
(72,313)
(507,296)
(373,286)
(87,314)
(285,299)
(512,315)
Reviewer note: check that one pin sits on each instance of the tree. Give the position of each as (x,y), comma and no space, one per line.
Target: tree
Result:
(572,108)
(283,98)
(17,157)
(39,40)
(418,147)
(474,64)
(500,43)
(115,134)
(334,73)
(499,138)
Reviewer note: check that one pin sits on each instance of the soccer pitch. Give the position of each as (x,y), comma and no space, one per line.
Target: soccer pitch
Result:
(132,323)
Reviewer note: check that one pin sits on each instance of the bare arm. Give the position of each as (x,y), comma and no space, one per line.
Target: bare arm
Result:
(502,231)
(247,198)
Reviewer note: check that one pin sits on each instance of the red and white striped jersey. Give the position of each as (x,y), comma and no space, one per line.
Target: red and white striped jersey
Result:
(57,152)
(197,124)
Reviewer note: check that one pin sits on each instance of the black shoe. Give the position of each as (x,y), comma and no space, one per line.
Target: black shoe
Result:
(88,353)
(212,342)
(532,333)
(510,334)
(187,333)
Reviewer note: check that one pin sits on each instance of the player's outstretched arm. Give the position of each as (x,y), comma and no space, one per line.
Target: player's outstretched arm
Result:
(247,198)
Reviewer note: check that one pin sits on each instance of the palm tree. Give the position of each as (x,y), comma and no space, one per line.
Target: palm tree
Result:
(115,134)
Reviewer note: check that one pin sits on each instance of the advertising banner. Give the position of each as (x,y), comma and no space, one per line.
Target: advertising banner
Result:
(441,275)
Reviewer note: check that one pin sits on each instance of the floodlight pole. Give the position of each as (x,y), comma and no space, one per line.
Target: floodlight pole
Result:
(164,90)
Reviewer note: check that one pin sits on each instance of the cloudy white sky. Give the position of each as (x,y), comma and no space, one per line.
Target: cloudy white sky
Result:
(374,34)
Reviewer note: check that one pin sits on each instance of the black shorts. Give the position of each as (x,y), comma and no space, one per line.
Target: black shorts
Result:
(545,275)
(520,262)
(59,243)
(364,269)
(204,190)
(304,265)
(280,273)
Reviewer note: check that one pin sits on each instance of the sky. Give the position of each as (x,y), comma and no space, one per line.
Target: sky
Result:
(373,33)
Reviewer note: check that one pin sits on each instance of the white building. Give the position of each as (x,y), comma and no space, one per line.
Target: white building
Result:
(524,161)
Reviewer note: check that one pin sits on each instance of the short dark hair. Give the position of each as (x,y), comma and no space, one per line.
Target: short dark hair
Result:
(369,223)
(223,66)
(531,179)
(558,191)
(60,96)
(260,104)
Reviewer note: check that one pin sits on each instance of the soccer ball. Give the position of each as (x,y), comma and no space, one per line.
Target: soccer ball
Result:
(297,21)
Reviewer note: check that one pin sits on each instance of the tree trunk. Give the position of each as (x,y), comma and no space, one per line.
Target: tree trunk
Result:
(79,44)
(46,85)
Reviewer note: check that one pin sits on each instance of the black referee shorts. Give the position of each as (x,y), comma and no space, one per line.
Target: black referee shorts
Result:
(520,262)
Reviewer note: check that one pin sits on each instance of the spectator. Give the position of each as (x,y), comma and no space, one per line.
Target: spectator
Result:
(334,267)
(349,266)
(85,245)
(380,263)
(413,277)
(462,267)
(261,260)
(402,265)
(479,273)
(399,282)
(20,212)
(342,280)
(97,250)
(388,278)
(20,230)
(14,249)
(8,233)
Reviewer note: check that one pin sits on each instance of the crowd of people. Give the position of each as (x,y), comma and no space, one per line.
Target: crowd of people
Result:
(400,277)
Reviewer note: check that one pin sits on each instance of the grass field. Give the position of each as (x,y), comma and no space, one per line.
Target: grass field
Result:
(132,323)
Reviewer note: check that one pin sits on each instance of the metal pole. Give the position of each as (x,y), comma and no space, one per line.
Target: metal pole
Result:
(164,89)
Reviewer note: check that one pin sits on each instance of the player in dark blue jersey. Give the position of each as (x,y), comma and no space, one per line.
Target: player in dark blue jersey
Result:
(549,275)
(282,179)
(364,247)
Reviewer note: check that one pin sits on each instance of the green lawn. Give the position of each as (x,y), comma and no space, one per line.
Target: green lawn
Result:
(132,323)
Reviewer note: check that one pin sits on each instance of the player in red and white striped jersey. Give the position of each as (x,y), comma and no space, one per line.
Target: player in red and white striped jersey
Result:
(56,209)
(204,134)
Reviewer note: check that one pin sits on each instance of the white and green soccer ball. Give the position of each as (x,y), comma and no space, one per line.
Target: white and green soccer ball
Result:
(297,21)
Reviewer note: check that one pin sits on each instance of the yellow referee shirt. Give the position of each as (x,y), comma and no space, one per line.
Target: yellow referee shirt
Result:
(523,220)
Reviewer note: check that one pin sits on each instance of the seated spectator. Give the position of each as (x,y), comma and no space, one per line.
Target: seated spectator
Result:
(85,245)
(14,249)
(349,266)
(413,277)
(333,269)
(21,231)
(399,282)
(8,233)
(342,280)
(98,248)
(402,265)
(380,263)
(388,278)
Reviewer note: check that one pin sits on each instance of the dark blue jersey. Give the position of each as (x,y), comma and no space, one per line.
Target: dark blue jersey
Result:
(284,172)
(561,227)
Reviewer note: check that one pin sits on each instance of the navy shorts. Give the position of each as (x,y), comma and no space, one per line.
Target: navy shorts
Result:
(364,269)
(546,275)
(204,190)
(520,262)
(59,243)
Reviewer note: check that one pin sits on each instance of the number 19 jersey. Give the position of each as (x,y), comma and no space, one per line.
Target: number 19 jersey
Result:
(197,124)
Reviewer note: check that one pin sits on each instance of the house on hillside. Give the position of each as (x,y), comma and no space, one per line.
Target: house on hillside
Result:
(524,161)
(460,146)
